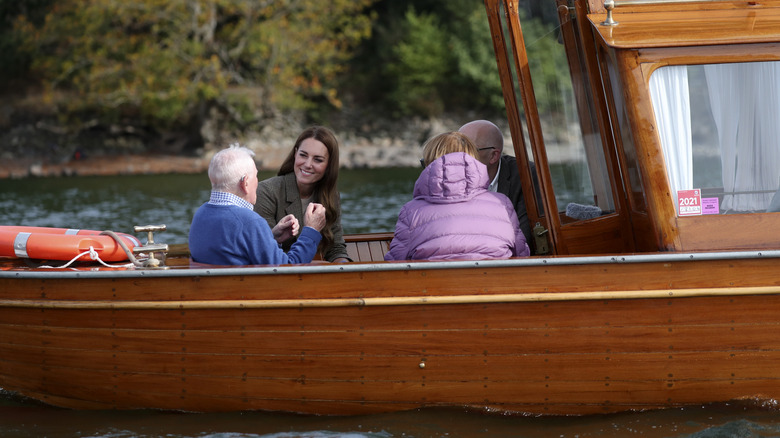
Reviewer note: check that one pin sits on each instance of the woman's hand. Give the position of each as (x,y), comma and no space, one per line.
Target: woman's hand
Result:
(314,216)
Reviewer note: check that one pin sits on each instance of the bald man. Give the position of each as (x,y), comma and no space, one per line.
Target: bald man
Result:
(502,169)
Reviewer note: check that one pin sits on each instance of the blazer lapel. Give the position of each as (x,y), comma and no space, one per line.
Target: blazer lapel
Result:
(292,196)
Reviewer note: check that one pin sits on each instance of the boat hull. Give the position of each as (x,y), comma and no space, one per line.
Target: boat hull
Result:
(533,336)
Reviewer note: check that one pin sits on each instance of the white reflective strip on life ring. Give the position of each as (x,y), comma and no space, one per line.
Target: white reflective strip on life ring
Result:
(72,231)
(20,245)
(135,240)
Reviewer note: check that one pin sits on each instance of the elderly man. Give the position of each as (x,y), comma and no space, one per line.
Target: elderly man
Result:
(502,169)
(227,231)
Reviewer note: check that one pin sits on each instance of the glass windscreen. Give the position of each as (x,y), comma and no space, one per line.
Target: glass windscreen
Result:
(571,137)
(638,202)
(719,126)
(516,84)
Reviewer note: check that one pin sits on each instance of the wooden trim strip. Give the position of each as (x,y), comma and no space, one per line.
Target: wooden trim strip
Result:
(391,301)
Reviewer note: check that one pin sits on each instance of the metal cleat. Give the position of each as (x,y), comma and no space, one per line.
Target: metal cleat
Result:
(151,246)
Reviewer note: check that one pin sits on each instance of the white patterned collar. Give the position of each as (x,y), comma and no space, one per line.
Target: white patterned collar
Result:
(225,198)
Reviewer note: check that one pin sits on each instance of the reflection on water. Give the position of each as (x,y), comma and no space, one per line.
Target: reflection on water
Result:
(28,419)
(371,200)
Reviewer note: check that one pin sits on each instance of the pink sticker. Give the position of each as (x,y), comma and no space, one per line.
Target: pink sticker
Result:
(689,202)
(710,206)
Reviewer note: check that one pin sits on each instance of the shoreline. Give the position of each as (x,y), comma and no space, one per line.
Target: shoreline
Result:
(149,163)
(104,165)
(353,154)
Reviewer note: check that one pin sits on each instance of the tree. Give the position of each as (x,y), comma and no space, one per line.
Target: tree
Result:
(421,61)
(167,64)
(472,48)
(15,62)
(428,49)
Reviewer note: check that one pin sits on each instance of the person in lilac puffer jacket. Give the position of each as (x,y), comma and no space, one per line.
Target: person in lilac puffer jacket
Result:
(452,214)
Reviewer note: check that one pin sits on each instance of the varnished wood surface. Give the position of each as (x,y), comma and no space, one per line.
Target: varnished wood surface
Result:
(553,358)
(758,24)
(569,356)
(398,279)
(601,235)
(660,207)
(732,231)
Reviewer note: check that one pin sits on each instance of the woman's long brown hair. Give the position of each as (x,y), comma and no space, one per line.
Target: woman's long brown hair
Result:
(325,190)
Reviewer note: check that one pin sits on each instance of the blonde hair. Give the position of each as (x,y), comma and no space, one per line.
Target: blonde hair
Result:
(448,143)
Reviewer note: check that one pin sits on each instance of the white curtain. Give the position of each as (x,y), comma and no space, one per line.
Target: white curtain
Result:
(745,101)
(672,106)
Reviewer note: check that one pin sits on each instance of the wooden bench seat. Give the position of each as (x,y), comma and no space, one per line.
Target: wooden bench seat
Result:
(369,247)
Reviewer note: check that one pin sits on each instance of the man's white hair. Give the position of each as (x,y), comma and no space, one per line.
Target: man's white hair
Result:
(229,166)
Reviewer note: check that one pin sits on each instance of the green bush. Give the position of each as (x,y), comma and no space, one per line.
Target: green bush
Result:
(422,61)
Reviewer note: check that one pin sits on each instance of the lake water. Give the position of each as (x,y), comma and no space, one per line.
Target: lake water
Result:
(371,200)
(26,419)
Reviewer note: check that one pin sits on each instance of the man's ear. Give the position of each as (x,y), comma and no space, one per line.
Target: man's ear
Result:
(495,155)
(243,185)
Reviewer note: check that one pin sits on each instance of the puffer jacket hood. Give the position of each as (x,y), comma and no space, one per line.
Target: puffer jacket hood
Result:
(454,216)
(454,177)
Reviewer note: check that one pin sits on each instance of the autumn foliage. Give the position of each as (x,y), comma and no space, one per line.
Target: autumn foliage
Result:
(166,62)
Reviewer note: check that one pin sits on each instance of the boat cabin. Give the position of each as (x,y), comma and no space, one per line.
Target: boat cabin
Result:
(666,113)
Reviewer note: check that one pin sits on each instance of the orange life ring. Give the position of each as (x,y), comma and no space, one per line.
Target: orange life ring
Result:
(42,243)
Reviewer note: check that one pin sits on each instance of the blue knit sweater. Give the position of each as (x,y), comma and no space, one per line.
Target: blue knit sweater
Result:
(233,235)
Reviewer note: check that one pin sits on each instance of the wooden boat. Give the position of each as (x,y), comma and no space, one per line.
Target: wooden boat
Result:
(635,304)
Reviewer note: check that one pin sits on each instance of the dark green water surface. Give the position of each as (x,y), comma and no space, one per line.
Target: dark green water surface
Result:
(371,200)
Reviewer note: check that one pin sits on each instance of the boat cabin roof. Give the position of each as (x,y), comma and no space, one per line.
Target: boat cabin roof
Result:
(643,26)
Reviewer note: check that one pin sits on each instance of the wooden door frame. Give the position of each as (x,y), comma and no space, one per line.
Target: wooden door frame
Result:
(610,233)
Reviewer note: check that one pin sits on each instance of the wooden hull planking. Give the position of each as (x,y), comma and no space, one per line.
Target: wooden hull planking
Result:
(532,336)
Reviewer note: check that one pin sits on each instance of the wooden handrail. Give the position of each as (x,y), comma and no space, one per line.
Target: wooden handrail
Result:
(391,301)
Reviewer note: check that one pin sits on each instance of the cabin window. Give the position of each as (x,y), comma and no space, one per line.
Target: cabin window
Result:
(626,138)
(521,111)
(572,141)
(719,126)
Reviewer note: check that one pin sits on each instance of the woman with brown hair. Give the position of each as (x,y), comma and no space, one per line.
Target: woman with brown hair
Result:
(308,174)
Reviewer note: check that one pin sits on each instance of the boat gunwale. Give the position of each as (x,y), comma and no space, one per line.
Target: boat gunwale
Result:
(215,271)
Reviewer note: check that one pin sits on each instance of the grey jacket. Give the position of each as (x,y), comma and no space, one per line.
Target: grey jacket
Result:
(278,196)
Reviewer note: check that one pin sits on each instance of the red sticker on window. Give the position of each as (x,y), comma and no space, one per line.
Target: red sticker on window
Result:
(689,202)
